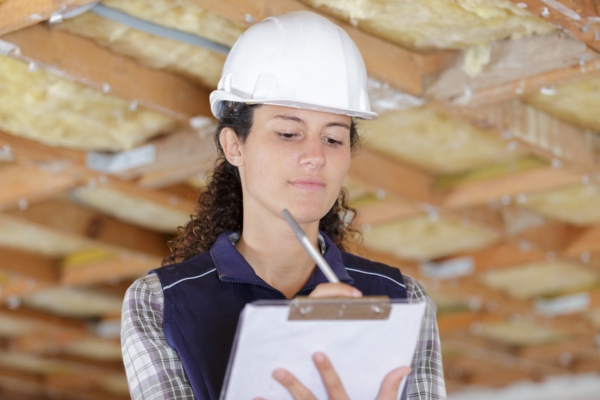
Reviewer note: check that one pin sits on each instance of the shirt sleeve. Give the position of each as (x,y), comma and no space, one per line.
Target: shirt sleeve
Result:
(428,379)
(154,370)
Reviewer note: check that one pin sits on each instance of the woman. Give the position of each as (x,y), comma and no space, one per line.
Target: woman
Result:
(290,90)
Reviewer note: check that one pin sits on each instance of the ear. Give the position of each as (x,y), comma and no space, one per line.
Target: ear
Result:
(232,147)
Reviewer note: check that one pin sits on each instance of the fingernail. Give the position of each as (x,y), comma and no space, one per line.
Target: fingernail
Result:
(356,293)
(319,357)
(279,374)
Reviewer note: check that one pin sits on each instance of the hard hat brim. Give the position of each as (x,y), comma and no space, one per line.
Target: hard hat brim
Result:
(217,97)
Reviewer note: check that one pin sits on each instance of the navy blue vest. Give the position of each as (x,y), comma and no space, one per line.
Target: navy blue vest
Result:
(205,295)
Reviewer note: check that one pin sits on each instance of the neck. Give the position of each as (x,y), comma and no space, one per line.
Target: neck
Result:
(275,254)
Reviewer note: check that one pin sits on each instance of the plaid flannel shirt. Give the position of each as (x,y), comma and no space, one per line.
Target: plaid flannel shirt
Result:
(154,370)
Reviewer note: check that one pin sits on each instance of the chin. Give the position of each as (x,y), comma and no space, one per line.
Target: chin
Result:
(306,214)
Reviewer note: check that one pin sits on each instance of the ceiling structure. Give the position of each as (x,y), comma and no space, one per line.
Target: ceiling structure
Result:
(481,178)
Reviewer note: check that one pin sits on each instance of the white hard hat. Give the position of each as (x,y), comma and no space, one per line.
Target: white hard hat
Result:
(299,59)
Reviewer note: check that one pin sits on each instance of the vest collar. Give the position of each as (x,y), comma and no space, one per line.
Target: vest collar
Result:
(233,267)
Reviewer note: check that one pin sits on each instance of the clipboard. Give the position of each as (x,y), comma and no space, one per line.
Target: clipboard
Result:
(364,338)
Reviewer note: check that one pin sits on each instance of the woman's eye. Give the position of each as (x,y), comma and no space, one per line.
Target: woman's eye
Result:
(333,142)
(286,135)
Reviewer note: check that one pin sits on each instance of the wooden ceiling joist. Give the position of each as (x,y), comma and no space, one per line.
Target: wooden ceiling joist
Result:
(522,87)
(28,265)
(86,62)
(410,71)
(66,216)
(380,172)
(536,180)
(17,14)
(587,243)
(124,266)
(580,18)
(541,133)
(72,163)
(23,185)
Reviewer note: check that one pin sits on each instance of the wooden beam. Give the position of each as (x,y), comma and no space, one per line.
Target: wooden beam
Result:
(588,242)
(503,255)
(533,129)
(575,17)
(19,286)
(23,185)
(62,329)
(179,156)
(122,266)
(18,14)
(72,163)
(522,87)
(511,61)
(408,70)
(536,180)
(68,217)
(380,172)
(390,208)
(27,265)
(84,61)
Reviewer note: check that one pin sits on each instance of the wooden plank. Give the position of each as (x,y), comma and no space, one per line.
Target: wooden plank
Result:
(537,180)
(503,255)
(385,210)
(23,185)
(532,129)
(523,87)
(18,14)
(84,61)
(68,217)
(575,17)
(511,61)
(379,171)
(123,266)
(408,70)
(27,265)
(18,286)
(72,164)
(179,156)
(588,242)
(63,329)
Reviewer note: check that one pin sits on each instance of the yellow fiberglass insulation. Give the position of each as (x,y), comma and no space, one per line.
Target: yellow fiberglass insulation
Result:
(201,65)
(59,112)
(577,103)
(435,142)
(440,24)
(183,15)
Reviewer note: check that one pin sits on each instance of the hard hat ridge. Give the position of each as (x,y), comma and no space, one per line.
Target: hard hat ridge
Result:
(299,59)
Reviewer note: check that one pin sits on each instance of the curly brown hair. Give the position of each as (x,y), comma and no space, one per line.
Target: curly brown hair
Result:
(220,208)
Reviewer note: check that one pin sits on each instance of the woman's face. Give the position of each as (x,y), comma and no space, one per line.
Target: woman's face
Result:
(294,159)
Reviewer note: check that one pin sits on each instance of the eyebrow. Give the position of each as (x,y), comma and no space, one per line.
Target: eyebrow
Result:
(301,121)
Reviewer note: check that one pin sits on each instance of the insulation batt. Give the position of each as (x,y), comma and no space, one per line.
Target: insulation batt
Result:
(201,65)
(435,142)
(440,24)
(183,15)
(577,103)
(133,210)
(543,278)
(422,239)
(59,112)
(578,205)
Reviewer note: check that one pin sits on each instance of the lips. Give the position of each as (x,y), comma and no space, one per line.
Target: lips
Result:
(308,183)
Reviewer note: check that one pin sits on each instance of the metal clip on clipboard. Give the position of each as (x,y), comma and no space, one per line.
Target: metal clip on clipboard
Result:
(309,309)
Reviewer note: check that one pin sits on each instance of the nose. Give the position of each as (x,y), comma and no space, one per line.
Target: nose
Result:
(312,152)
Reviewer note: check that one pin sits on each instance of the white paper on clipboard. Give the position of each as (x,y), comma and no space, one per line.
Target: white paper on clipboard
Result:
(361,351)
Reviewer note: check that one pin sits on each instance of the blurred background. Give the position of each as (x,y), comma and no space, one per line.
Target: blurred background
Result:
(481,178)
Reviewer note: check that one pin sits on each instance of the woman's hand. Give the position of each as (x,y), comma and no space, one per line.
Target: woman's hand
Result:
(333,385)
(335,290)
